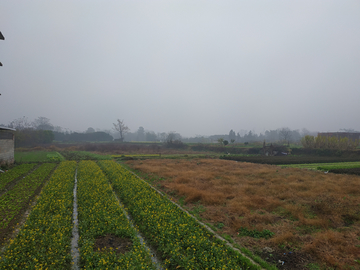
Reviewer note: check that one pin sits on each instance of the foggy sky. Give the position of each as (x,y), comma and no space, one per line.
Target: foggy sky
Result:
(194,67)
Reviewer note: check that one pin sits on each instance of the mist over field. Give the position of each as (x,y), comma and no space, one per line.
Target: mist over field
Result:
(193,67)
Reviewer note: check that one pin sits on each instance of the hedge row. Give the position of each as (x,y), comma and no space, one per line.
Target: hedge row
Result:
(280,160)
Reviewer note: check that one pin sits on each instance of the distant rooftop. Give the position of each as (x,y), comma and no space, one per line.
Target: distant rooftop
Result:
(7,128)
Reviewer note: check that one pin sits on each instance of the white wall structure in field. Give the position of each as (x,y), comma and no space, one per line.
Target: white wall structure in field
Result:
(7,139)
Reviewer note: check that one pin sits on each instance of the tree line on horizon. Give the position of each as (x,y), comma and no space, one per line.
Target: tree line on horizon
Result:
(41,130)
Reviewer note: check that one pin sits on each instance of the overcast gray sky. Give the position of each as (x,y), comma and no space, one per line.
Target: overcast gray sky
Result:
(194,67)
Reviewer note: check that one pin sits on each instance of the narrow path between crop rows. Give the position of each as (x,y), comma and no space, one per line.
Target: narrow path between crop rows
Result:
(154,258)
(80,184)
(75,232)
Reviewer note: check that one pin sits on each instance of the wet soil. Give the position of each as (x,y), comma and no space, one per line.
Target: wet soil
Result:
(119,244)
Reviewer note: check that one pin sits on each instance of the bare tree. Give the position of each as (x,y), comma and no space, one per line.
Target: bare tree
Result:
(162,136)
(20,123)
(285,134)
(121,128)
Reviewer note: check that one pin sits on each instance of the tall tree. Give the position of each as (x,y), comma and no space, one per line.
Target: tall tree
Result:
(151,136)
(90,130)
(121,128)
(232,135)
(140,134)
(42,123)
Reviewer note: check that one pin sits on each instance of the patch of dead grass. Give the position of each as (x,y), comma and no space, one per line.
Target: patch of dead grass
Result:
(309,211)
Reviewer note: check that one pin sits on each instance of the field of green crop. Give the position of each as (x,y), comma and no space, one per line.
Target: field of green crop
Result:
(100,214)
(44,241)
(38,156)
(14,173)
(13,200)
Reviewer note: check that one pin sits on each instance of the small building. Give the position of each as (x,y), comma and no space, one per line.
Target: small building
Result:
(7,142)
(275,150)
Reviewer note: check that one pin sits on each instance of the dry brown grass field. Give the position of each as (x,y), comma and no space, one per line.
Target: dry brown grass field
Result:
(313,215)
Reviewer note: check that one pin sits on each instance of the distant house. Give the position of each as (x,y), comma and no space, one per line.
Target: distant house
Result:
(7,139)
(275,150)
(339,135)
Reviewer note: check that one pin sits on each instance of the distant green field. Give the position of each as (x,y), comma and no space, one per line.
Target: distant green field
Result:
(38,156)
(84,155)
(325,166)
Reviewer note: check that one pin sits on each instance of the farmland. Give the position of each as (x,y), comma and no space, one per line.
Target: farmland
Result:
(38,156)
(44,240)
(102,217)
(18,171)
(290,218)
(107,238)
(180,240)
(311,215)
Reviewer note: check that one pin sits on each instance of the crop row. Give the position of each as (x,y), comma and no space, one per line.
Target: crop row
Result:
(14,200)
(44,240)
(14,173)
(101,217)
(180,240)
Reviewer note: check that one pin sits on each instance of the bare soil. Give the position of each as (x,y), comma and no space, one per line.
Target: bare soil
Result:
(315,217)
(112,242)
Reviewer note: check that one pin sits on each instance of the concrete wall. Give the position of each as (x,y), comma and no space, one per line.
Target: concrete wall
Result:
(6,150)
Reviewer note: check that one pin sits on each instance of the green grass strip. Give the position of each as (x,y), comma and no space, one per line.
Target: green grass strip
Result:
(326,166)
(180,240)
(100,214)
(13,200)
(31,156)
(44,241)
(14,173)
